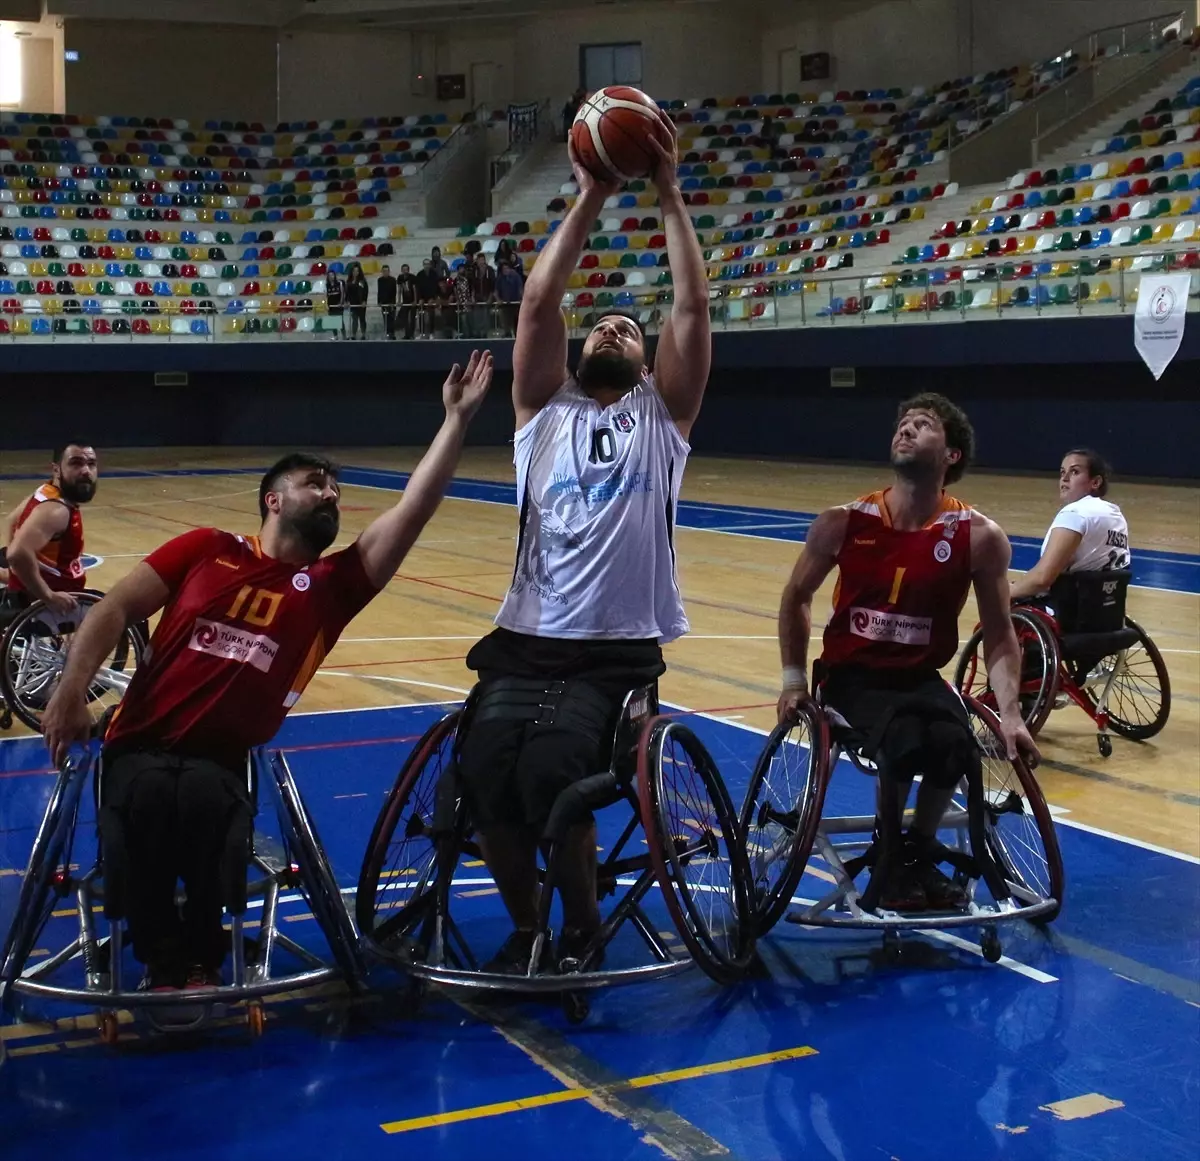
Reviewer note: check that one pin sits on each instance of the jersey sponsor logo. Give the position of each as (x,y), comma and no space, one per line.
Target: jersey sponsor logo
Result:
(219,640)
(624,422)
(863,542)
(227,563)
(894,627)
(941,551)
(301,581)
(949,526)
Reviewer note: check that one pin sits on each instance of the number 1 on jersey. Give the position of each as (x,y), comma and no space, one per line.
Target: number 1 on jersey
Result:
(895,593)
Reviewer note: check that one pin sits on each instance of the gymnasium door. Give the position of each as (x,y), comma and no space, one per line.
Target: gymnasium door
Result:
(610,64)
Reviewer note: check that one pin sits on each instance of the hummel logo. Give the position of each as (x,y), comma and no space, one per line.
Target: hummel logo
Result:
(226,563)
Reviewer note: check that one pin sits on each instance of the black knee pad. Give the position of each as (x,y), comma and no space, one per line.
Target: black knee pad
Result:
(952,754)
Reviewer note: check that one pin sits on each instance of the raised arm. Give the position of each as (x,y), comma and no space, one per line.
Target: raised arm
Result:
(386,541)
(1059,549)
(816,562)
(540,352)
(684,352)
(134,598)
(990,557)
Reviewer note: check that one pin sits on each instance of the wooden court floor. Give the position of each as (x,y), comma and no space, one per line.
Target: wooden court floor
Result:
(410,644)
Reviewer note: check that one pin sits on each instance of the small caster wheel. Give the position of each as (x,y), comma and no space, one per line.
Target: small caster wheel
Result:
(989,944)
(108,1027)
(891,945)
(1104,743)
(576,1007)
(256,1019)
(6,719)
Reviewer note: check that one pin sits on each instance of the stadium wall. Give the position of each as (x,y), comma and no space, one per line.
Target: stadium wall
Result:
(1032,387)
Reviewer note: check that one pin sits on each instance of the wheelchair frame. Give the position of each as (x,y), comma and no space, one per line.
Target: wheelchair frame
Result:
(977,852)
(49,878)
(44,662)
(423,940)
(1033,621)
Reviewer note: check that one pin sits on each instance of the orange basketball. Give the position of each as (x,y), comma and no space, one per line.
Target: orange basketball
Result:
(612,132)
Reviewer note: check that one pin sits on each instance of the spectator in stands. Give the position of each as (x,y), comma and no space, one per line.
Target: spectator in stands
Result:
(483,289)
(508,253)
(406,289)
(428,292)
(509,288)
(464,298)
(385,295)
(441,270)
(357,294)
(335,301)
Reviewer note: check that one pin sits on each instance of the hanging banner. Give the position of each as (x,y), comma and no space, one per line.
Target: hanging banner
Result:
(1159,319)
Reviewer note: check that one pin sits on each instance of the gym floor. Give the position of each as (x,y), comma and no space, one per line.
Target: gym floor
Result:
(1082,1042)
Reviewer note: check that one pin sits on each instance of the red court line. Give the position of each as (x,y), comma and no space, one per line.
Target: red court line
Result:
(159,516)
(350,743)
(450,588)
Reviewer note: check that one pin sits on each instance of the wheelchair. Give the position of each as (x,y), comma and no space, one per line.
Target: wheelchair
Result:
(680,809)
(34,643)
(997,836)
(1077,645)
(89,968)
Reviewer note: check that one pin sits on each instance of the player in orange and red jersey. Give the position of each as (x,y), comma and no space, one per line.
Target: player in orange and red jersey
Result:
(246,622)
(906,558)
(45,551)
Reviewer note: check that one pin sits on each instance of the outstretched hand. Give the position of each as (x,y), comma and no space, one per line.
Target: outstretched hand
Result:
(463,391)
(665,173)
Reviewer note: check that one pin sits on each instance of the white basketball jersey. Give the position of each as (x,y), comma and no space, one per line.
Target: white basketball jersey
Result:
(1105,535)
(598,489)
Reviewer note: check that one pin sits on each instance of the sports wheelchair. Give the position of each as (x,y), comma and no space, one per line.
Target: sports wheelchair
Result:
(34,643)
(997,836)
(422,841)
(89,969)
(1078,645)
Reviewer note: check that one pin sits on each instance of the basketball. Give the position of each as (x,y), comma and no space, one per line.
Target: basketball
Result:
(612,132)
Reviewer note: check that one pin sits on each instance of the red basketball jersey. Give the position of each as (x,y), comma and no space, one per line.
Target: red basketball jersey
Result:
(899,594)
(60,561)
(240,637)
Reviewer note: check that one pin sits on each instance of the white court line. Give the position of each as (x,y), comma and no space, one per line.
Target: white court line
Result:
(1055,810)
(395,680)
(475,637)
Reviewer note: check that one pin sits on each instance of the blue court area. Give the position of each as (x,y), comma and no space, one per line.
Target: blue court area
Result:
(1084,1042)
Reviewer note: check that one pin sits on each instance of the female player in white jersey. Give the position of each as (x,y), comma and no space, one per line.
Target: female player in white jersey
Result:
(1089,532)
(599,458)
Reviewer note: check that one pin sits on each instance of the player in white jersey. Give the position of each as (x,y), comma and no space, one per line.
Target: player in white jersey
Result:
(599,457)
(1089,532)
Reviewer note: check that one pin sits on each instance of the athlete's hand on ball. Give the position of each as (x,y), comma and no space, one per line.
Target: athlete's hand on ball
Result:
(463,391)
(66,723)
(586,179)
(1018,741)
(666,169)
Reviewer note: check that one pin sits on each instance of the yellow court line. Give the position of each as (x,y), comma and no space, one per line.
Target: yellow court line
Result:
(578,1094)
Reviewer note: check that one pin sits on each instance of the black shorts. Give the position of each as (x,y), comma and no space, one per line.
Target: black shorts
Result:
(912,719)
(513,770)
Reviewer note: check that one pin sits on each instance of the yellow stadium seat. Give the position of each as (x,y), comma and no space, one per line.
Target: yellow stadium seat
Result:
(51,306)
(97,235)
(370,266)
(232,325)
(20,326)
(1180,207)
(610,260)
(1162,233)
(638,241)
(974,248)
(37,269)
(85,287)
(160,325)
(454,247)
(1027,243)
(647,200)
(397,232)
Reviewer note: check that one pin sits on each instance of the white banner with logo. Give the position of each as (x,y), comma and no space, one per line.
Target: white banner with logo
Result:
(1159,319)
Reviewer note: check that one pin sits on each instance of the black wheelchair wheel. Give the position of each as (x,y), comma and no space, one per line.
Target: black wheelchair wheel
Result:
(1040,660)
(35,648)
(1139,699)
(396,882)
(696,849)
(782,810)
(47,877)
(1020,832)
(324,897)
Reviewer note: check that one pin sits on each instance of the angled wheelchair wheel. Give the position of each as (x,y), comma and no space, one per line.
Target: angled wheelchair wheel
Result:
(395,885)
(1020,832)
(35,649)
(1139,699)
(782,810)
(1040,660)
(696,848)
(47,876)
(324,897)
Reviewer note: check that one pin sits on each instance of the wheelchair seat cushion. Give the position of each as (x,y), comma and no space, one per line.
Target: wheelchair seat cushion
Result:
(1080,646)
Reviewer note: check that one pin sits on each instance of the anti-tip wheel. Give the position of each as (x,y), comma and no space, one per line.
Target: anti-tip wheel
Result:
(1104,744)
(989,944)
(256,1019)
(108,1027)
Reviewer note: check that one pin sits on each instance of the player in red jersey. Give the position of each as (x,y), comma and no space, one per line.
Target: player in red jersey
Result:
(906,558)
(45,551)
(246,622)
